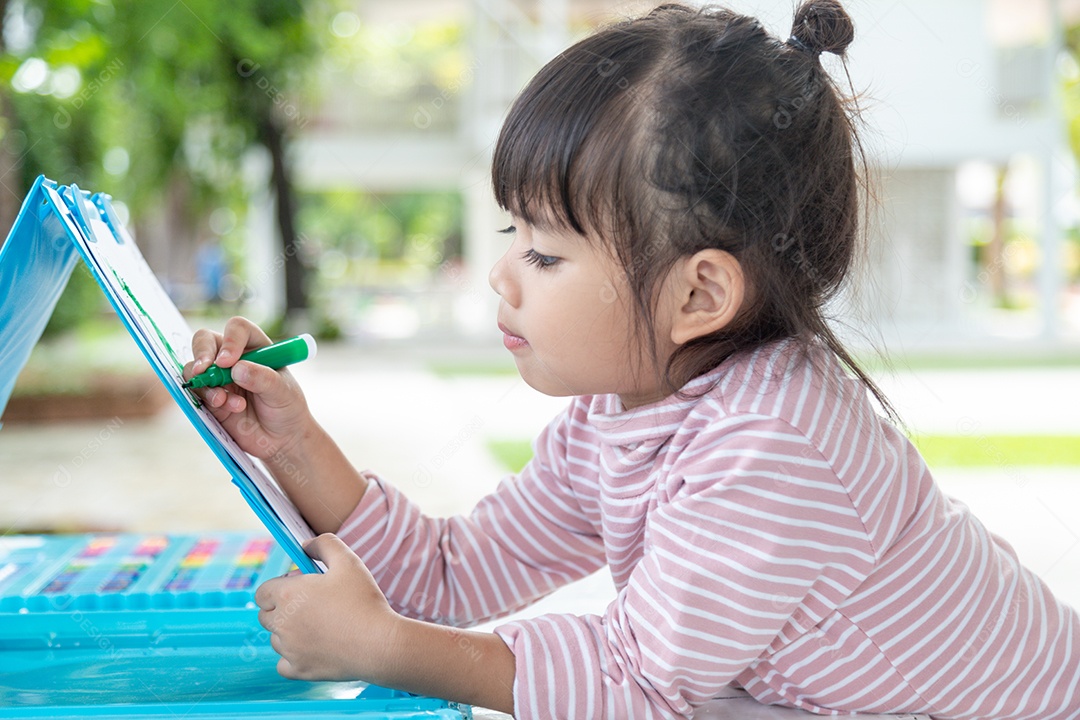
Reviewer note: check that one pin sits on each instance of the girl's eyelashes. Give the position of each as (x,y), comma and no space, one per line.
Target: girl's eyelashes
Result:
(531,256)
(541,261)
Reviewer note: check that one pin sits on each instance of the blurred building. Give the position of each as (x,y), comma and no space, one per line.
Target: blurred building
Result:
(957,90)
(951,90)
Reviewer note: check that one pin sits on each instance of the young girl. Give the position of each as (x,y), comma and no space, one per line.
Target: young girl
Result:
(684,197)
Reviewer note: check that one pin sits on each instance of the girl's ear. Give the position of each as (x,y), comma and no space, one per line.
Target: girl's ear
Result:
(709,290)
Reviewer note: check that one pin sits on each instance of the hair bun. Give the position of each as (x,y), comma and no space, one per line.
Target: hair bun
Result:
(822,26)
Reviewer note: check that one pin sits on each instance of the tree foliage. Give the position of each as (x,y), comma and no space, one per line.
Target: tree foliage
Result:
(137,99)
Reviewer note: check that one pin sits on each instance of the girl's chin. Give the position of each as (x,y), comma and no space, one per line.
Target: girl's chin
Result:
(542,381)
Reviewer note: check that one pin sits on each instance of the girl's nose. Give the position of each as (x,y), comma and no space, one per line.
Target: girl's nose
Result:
(501,280)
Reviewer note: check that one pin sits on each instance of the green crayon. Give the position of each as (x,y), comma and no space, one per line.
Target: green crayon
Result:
(278,355)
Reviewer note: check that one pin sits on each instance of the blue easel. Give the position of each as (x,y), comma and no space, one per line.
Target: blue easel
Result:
(35,264)
(56,226)
(86,634)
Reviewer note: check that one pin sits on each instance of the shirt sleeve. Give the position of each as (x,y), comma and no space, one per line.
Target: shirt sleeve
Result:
(752,541)
(518,544)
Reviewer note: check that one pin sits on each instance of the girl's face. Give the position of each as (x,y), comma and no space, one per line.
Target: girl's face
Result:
(567,318)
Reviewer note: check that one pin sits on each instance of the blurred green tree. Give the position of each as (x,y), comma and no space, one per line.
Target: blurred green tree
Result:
(1069,71)
(157,102)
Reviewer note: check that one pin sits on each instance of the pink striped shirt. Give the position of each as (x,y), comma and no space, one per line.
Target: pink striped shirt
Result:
(774,533)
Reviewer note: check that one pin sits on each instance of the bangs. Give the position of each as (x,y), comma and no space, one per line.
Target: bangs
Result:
(568,156)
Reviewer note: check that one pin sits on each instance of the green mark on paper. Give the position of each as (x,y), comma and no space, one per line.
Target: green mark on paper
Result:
(161,336)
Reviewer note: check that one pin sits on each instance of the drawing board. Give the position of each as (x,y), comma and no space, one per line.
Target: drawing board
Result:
(56,226)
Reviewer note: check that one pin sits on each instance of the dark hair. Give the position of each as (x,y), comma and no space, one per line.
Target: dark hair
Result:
(689,129)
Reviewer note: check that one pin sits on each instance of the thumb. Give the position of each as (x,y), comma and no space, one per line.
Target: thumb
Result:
(330,550)
(260,380)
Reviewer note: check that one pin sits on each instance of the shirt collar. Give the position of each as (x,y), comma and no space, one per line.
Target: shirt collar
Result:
(655,421)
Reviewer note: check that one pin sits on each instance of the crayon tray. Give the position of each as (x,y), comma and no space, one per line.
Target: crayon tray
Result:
(158,626)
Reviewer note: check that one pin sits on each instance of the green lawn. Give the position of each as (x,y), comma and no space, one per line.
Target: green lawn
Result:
(999,450)
(939,451)
(969,361)
(447,369)
(513,454)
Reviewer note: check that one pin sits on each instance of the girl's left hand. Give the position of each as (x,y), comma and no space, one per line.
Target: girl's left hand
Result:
(334,626)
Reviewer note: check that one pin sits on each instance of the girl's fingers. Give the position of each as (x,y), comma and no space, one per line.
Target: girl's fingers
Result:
(240,335)
(204,348)
(269,384)
(235,403)
(285,669)
(264,595)
(331,550)
(224,401)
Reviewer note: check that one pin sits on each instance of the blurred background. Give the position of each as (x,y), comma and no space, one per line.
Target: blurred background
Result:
(325,164)
(323,167)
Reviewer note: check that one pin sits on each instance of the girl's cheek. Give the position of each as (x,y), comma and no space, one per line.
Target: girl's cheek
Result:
(608,294)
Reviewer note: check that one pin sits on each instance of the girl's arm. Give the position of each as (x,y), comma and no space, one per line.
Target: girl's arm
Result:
(737,544)
(465,666)
(523,541)
(317,477)
(752,540)
(266,414)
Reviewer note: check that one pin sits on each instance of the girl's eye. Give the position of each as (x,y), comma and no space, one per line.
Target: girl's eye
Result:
(508,230)
(541,261)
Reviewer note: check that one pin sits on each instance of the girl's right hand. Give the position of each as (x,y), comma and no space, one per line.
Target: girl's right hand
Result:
(263,409)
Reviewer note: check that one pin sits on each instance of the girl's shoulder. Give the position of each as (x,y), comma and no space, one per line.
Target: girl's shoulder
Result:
(788,408)
(802,385)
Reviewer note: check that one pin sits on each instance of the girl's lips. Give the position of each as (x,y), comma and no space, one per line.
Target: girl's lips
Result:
(512,341)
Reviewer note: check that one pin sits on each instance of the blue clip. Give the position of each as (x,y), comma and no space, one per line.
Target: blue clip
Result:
(75,199)
(104,205)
